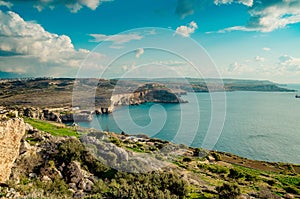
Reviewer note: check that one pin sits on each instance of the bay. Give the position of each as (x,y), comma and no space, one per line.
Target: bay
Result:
(258,125)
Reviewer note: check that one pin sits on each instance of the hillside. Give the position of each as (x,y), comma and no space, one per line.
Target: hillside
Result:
(57,161)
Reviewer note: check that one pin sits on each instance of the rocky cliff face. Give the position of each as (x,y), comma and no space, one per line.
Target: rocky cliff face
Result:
(11,133)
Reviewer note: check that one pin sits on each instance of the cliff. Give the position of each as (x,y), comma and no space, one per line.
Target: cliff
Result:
(150,92)
(11,133)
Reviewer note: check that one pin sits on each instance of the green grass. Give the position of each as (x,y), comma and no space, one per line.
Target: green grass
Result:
(51,128)
(289,180)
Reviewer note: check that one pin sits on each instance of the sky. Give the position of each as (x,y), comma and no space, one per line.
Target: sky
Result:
(245,39)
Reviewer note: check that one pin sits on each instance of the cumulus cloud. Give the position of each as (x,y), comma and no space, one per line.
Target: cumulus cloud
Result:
(28,46)
(239,69)
(116,39)
(139,52)
(267,16)
(186,31)
(259,59)
(73,5)
(6,4)
(289,63)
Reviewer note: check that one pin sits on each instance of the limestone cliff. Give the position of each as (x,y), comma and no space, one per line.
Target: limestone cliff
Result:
(11,133)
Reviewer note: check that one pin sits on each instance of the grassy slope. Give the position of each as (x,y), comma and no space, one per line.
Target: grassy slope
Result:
(52,128)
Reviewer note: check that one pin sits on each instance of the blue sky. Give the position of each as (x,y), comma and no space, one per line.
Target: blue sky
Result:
(246,39)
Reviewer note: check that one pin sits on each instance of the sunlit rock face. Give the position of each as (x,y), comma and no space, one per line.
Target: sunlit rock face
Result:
(11,133)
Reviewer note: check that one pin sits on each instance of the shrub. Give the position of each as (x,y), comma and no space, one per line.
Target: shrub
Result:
(217,169)
(186,159)
(291,189)
(227,191)
(235,173)
(216,156)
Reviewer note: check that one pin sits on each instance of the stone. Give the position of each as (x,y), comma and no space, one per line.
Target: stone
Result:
(11,133)
(46,178)
(79,194)
(28,127)
(32,175)
(289,196)
(86,185)
(73,186)
(76,174)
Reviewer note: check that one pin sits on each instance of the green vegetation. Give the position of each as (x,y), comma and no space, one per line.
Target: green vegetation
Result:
(227,190)
(193,174)
(51,128)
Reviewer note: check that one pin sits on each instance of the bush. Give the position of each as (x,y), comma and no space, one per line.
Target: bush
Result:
(216,156)
(228,191)
(217,169)
(186,159)
(235,173)
(291,189)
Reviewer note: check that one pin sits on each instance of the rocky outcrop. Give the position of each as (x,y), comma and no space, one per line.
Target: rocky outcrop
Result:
(156,93)
(51,116)
(11,133)
(83,116)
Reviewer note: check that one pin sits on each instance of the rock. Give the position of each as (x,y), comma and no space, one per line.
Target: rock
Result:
(243,196)
(73,186)
(86,185)
(79,194)
(193,182)
(46,178)
(72,191)
(28,127)
(210,190)
(12,193)
(51,116)
(51,171)
(289,196)
(25,147)
(11,133)
(76,174)
(210,158)
(32,113)
(104,148)
(32,175)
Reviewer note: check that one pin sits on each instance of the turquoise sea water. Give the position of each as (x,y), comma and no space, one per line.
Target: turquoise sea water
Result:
(258,125)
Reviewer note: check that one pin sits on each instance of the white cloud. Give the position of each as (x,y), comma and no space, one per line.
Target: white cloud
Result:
(139,52)
(186,31)
(289,63)
(230,29)
(259,59)
(237,69)
(32,48)
(116,39)
(170,63)
(244,2)
(72,5)
(266,49)
(6,4)
(267,16)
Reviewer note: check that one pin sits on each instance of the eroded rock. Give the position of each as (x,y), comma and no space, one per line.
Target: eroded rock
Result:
(11,133)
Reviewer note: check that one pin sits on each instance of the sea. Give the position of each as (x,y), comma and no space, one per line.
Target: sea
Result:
(256,125)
